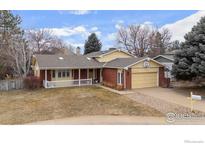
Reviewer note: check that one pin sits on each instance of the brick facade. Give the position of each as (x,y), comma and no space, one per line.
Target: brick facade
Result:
(110,77)
(163,82)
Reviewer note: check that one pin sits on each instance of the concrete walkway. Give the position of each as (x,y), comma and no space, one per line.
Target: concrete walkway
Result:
(117,120)
(123,92)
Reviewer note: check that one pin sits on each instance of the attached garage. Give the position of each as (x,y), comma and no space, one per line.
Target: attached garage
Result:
(132,73)
(144,79)
(145,76)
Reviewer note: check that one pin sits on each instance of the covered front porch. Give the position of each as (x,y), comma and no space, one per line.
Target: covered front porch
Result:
(70,77)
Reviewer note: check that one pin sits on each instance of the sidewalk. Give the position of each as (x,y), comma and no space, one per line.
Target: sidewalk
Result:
(105,120)
(117,120)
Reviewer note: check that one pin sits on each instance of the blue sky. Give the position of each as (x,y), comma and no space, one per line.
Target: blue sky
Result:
(75,26)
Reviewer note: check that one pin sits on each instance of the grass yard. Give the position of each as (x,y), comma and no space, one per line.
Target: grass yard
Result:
(23,106)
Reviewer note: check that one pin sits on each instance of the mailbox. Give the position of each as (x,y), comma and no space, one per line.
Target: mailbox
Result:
(196,97)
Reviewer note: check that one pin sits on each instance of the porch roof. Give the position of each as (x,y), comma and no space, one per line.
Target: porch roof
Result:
(65,61)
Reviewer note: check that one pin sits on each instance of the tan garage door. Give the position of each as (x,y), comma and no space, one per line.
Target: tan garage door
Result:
(144,79)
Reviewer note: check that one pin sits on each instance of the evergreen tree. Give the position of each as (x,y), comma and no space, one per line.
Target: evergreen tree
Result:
(9,26)
(93,44)
(190,61)
(13,46)
(181,68)
(197,36)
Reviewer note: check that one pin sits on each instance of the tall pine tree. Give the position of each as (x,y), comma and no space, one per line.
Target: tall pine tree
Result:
(198,46)
(190,61)
(93,44)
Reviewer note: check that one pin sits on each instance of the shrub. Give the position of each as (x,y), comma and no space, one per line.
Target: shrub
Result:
(32,82)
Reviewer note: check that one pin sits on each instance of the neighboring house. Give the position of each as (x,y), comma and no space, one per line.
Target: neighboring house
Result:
(114,68)
(167,60)
(108,55)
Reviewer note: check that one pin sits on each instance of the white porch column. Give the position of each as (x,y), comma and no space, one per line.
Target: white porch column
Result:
(79,77)
(45,78)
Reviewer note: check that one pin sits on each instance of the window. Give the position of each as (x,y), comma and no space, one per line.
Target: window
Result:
(68,73)
(63,72)
(120,78)
(53,74)
(59,74)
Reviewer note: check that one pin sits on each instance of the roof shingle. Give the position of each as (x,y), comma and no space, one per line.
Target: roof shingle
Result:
(66,61)
(122,62)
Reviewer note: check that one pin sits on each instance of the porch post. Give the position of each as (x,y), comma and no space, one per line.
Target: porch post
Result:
(45,78)
(79,77)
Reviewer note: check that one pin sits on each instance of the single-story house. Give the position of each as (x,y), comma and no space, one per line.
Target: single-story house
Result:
(114,68)
(167,60)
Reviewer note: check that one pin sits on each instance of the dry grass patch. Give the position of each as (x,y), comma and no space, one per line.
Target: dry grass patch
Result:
(23,106)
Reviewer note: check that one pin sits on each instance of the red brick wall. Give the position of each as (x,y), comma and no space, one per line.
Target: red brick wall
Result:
(163,82)
(128,79)
(110,77)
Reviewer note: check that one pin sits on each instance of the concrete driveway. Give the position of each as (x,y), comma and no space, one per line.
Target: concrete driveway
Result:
(166,97)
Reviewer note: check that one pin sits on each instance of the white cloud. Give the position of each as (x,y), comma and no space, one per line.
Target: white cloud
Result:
(181,27)
(111,36)
(69,31)
(119,24)
(75,35)
(94,29)
(120,21)
(79,12)
(73,31)
(148,23)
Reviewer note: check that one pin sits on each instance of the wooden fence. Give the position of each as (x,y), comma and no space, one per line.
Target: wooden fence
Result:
(6,85)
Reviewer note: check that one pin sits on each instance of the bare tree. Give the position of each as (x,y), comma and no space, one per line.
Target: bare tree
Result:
(123,39)
(142,39)
(19,56)
(165,38)
(43,41)
(39,40)
(134,38)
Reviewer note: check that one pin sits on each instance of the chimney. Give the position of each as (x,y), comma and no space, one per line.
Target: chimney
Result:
(112,49)
(78,51)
